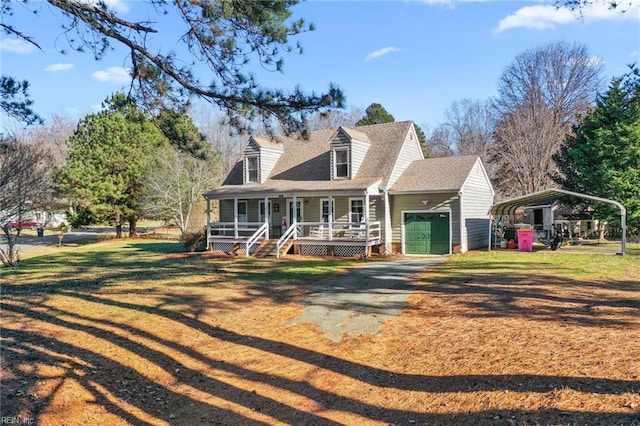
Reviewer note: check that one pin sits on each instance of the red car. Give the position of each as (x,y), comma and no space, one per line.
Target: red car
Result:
(33,224)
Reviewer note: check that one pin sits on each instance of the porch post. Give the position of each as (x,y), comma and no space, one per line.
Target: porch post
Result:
(267,219)
(208,222)
(366,223)
(330,217)
(235,218)
(387,223)
(294,219)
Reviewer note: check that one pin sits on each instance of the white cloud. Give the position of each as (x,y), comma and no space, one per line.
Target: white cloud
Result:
(381,52)
(113,75)
(16,45)
(58,67)
(545,17)
(118,6)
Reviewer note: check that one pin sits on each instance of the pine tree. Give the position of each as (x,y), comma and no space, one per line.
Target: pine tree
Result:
(602,156)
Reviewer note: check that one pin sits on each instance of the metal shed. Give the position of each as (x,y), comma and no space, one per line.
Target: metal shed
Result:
(549,196)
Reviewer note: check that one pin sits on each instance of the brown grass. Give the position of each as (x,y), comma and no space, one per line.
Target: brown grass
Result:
(129,333)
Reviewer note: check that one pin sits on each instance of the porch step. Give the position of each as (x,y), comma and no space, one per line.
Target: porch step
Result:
(268,248)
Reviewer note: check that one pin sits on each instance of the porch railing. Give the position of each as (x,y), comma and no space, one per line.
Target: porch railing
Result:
(261,233)
(368,231)
(233,229)
(252,233)
(289,234)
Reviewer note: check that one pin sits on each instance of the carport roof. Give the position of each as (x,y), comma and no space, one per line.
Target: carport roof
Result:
(546,197)
(508,207)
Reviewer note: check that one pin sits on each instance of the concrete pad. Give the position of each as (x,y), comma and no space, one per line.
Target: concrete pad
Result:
(362,299)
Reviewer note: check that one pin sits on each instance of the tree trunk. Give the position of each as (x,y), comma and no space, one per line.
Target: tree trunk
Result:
(133,227)
(118,230)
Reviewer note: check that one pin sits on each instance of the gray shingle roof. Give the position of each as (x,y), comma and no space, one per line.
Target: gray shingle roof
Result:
(305,163)
(435,174)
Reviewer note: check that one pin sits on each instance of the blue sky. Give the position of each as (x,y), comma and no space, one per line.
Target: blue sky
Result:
(413,57)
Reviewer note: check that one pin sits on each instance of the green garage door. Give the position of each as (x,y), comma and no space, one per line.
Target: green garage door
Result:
(426,233)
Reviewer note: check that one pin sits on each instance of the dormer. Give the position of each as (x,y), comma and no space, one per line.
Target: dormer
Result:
(260,155)
(348,148)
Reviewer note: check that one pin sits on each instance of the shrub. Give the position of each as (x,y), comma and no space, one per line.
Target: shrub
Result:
(194,241)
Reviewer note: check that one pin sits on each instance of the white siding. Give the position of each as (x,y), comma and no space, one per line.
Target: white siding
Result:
(252,148)
(268,160)
(358,152)
(477,198)
(409,152)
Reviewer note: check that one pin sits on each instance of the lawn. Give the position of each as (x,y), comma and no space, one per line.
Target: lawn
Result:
(135,332)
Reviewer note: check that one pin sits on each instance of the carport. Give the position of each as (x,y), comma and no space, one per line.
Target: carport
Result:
(549,196)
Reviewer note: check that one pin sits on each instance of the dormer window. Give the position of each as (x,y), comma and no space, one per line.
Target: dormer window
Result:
(252,169)
(341,163)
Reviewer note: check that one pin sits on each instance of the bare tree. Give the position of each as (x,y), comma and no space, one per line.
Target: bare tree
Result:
(224,138)
(175,183)
(524,163)
(335,118)
(540,96)
(52,135)
(467,130)
(25,185)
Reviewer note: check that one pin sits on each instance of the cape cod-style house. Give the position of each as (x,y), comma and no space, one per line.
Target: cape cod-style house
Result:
(348,192)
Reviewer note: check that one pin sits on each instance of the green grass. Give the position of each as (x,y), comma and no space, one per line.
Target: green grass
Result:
(558,264)
(146,263)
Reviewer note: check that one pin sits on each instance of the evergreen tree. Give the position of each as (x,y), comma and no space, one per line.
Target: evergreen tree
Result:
(375,114)
(222,37)
(602,157)
(108,157)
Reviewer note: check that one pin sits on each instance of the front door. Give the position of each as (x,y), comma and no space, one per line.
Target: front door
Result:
(426,233)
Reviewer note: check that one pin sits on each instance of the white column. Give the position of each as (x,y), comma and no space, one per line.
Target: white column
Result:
(330,217)
(294,218)
(387,223)
(235,218)
(366,222)
(208,222)
(267,219)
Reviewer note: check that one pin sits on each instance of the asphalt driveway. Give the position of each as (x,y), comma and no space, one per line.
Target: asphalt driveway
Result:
(362,299)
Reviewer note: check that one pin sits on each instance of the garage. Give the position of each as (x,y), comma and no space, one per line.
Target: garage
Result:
(427,233)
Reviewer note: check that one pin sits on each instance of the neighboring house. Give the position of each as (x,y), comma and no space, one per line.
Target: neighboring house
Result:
(348,192)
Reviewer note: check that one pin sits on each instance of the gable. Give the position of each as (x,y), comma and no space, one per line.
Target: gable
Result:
(445,174)
(376,147)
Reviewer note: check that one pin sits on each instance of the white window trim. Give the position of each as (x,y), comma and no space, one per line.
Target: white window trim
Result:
(335,163)
(333,208)
(246,171)
(300,210)
(351,211)
(246,209)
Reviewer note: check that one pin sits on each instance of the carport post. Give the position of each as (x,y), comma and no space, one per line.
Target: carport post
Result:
(209,223)
(491,230)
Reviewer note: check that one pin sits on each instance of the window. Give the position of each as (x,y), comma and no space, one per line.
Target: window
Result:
(341,163)
(324,210)
(356,212)
(242,212)
(261,218)
(252,169)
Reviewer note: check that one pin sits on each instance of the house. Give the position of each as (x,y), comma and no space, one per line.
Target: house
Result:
(348,192)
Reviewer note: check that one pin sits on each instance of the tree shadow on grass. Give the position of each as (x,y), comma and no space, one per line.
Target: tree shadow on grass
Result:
(105,377)
(536,295)
(110,381)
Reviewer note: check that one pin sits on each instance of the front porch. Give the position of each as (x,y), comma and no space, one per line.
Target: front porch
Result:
(344,239)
